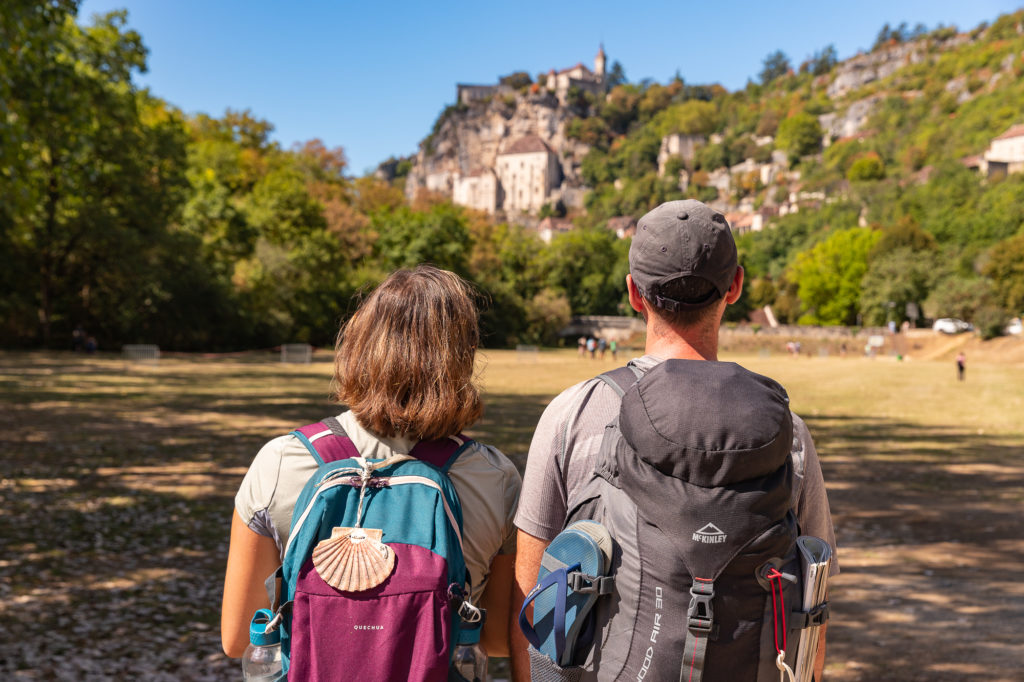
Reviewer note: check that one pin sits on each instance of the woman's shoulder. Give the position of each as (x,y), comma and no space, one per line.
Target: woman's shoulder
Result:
(484,456)
(285,446)
(283,456)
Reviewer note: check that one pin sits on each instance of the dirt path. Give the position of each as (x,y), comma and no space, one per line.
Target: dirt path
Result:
(932,548)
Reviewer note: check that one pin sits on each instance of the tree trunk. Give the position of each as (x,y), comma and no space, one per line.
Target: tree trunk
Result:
(47,257)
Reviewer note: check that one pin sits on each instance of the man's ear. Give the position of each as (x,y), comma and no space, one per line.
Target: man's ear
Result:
(636,301)
(736,288)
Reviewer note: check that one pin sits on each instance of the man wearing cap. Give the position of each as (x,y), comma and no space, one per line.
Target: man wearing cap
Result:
(683,273)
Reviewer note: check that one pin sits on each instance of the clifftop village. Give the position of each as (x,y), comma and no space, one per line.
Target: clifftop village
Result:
(503,149)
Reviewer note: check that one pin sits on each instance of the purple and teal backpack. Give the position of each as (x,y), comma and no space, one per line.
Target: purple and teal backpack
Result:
(374,581)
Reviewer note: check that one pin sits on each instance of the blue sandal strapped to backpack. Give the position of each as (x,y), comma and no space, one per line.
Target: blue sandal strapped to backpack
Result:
(572,575)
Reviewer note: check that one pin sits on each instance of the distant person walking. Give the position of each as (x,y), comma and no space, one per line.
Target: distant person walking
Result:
(613,345)
(602,345)
(961,365)
(591,347)
(78,339)
(581,346)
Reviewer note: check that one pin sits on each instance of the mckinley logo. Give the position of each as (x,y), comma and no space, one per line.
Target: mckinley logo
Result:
(710,534)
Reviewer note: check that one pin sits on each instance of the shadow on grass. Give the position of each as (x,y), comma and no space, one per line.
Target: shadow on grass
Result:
(117,493)
(930,543)
(508,423)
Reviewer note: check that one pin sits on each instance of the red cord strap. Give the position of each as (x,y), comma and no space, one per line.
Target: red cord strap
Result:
(772,576)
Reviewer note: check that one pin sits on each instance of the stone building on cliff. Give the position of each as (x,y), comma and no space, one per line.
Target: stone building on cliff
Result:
(579,77)
(527,174)
(479,190)
(1006,153)
(529,171)
(506,150)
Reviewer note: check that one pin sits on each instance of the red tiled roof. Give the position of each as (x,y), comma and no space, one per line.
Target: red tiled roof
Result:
(1014,131)
(528,145)
(743,220)
(620,222)
(579,65)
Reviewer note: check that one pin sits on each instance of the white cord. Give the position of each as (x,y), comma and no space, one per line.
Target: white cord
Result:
(469,612)
(274,622)
(367,472)
(784,669)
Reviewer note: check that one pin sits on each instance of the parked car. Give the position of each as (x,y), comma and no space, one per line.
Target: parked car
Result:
(1015,327)
(951,325)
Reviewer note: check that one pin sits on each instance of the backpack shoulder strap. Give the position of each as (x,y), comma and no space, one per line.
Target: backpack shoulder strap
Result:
(442,452)
(621,379)
(326,441)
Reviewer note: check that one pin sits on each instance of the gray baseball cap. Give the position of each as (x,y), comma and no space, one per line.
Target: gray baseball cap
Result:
(682,239)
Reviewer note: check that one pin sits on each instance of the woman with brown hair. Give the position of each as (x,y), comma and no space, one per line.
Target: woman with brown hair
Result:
(404,367)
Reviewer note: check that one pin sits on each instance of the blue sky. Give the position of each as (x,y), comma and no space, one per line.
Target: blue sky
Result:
(372,77)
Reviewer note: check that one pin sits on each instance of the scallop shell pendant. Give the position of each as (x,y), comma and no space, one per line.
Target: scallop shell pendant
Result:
(353,559)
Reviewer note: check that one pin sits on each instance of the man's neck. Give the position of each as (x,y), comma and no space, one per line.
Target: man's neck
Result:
(668,344)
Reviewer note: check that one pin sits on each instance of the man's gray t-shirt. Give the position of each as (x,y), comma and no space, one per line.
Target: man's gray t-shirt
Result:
(568,439)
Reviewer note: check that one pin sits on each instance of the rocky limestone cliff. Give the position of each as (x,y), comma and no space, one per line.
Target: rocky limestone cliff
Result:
(469,137)
(866,68)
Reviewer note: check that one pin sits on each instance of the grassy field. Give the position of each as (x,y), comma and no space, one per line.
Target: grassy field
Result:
(117,482)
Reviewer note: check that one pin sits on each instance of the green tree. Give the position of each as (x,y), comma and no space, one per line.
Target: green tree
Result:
(407,238)
(280,209)
(692,117)
(799,135)
(621,107)
(894,279)
(589,267)
(867,168)
(517,80)
(31,33)
(904,234)
(592,131)
(547,313)
(899,34)
(774,65)
(101,174)
(616,75)
(960,297)
(1005,267)
(504,264)
(771,252)
(829,275)
(822,62)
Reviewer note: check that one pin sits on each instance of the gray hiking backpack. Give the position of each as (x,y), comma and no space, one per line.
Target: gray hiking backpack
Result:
(694,483)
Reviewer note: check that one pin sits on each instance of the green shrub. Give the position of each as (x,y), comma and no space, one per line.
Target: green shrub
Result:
(867,168)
